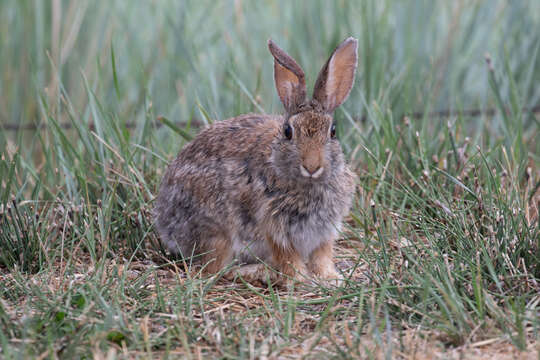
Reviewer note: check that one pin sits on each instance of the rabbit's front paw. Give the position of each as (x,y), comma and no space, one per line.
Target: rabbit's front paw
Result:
(253,273)
(326,272)
(321,262)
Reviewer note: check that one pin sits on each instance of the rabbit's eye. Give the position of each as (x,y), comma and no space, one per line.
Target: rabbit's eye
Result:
(288,131)
(333,131)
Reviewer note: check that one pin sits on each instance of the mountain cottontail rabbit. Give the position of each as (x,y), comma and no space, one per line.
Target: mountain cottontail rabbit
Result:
(266,188)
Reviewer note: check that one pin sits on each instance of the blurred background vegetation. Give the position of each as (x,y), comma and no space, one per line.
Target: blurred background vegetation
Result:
(181,56)
(442,128)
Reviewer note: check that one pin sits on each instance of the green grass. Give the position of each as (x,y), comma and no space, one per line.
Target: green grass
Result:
(441,254)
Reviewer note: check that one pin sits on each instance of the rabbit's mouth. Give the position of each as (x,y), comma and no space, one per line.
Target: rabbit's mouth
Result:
(314,175)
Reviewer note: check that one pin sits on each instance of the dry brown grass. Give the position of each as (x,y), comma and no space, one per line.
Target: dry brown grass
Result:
(308,336)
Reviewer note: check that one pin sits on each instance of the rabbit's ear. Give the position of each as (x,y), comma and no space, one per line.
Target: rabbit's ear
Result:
(336,78)
(289,78)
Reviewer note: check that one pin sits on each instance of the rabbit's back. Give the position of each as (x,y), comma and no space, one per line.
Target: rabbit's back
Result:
(207,191)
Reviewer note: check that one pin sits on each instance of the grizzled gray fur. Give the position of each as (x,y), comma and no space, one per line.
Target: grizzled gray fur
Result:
(266,188)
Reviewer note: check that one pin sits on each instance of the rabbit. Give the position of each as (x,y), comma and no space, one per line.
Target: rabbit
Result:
(268,189)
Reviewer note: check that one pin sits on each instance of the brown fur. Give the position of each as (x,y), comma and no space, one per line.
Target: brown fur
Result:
(289,78)
(320,261)
(243,190)
(218,253)
(337,76)
(313,132)
(287,260)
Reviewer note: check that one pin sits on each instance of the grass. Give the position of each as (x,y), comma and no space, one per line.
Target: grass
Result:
(441,254)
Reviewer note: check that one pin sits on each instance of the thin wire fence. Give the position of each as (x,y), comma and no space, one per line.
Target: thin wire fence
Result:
(197,123)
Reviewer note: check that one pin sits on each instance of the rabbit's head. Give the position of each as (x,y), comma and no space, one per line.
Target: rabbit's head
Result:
(307,148)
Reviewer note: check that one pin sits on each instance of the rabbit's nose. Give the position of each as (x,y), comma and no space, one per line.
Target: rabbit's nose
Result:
(311,165)
(314,172)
